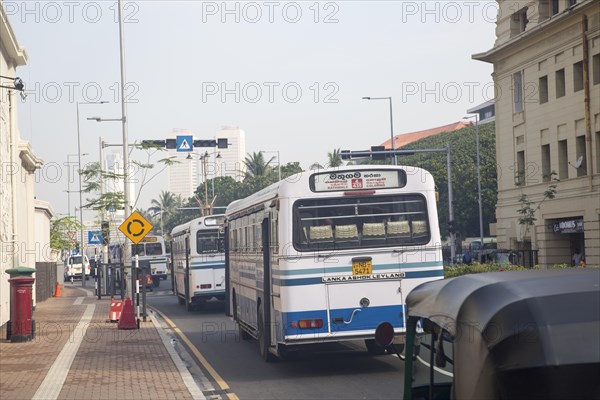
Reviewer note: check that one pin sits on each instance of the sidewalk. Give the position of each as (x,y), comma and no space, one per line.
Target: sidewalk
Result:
(76,354)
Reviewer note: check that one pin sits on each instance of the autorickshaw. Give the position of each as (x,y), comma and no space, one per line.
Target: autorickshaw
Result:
(510,335)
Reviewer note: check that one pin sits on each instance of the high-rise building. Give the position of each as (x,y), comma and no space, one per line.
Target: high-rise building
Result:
(183,174)
(547,77)
(113,164)
(231,162)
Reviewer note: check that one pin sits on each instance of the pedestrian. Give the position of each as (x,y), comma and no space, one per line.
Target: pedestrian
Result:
(467,259)
(576,259)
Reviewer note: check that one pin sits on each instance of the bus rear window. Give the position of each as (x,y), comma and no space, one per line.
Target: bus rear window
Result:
(154,249)
(211,241)
(361,222)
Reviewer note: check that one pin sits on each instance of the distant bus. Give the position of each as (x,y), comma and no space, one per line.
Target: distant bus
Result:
(198,249)
(330,256)
(152,255)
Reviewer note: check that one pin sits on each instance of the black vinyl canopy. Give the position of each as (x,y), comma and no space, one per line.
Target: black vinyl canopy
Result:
(510,329)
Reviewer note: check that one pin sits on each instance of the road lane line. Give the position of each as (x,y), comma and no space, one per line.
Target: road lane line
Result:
(56,376)
(213,373)
(188,380)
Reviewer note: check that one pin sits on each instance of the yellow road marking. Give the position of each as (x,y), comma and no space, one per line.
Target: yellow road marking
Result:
(213,373)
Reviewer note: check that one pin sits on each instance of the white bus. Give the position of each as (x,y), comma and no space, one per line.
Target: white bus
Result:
(331,255)
(199,260)
(152,255)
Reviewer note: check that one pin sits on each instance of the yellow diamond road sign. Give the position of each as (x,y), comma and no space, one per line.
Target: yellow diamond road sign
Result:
(135,227)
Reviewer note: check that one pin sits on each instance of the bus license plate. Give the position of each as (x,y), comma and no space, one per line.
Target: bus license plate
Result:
(362,267)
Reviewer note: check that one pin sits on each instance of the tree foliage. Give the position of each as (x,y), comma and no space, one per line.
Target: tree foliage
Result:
(464,175)
(63,233)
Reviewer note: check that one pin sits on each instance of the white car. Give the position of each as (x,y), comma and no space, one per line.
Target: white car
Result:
(73,267)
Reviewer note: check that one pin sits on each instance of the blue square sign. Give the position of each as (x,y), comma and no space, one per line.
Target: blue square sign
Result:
(185,143)
(94,237)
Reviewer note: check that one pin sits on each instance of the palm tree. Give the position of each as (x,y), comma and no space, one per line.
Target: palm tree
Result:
(316,165)
(167,205)
(335,158)
(256,165)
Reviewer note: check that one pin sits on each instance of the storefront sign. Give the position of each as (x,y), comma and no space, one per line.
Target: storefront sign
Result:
(568,226)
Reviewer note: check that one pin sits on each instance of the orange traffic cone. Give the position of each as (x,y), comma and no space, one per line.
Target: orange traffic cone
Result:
(57,290)
(127,320)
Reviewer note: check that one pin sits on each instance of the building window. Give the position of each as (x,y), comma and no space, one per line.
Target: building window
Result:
(518,22)
(596,69)
(520,168)
(578,76)
(580,154)
(546,164)
(518,91)
(572,2)
(544,9)
(560,83)
(555,7)
(563,160)
(543,89)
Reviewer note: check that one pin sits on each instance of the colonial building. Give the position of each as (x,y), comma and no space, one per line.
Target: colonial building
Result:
(19,163)
(547,76)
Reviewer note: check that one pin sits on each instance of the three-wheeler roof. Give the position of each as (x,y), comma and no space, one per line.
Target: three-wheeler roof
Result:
(506,323)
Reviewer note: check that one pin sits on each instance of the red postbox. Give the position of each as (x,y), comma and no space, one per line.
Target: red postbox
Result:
(21,303)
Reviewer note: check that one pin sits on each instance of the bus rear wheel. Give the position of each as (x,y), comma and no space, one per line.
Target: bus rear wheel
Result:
(262,340)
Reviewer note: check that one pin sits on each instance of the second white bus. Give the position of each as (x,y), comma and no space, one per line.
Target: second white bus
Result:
(330,256)
(198,260)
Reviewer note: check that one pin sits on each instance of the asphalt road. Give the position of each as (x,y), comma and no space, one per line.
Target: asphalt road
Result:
(334,371)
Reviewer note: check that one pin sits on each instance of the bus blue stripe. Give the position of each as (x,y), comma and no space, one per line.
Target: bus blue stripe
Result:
(319,280)
(207,262)
(207,266)
(348,268)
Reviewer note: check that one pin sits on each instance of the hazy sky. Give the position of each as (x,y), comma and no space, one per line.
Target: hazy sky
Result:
(291,74)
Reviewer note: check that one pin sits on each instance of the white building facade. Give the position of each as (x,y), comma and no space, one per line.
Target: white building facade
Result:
(183,174)
(231,162)
(547,76)
(17,203)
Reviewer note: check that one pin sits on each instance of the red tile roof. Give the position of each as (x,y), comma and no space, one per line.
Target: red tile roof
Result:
(406,138)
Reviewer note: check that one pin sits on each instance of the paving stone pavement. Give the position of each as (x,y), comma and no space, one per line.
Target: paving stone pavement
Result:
(108,364)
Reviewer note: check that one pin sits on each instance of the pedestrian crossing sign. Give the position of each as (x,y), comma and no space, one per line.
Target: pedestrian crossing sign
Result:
(94,237)
(185,143)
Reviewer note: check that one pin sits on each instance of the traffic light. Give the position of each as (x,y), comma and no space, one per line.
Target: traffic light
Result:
(205,143)
(222,143)
(153,143)
(171,143)
(375,155)
(105,229)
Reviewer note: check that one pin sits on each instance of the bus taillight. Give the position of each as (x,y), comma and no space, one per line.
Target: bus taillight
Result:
(310,323)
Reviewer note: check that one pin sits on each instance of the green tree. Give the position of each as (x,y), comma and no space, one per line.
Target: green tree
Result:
(63,233)
(334,158)
(164,208)
(464,175)
(256,165)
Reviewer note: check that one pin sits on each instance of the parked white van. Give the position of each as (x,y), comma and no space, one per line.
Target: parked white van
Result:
(73,267)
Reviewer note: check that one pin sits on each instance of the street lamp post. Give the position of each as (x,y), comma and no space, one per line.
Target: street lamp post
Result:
(80,191)
(476,116)
(69,182)
(391,123)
